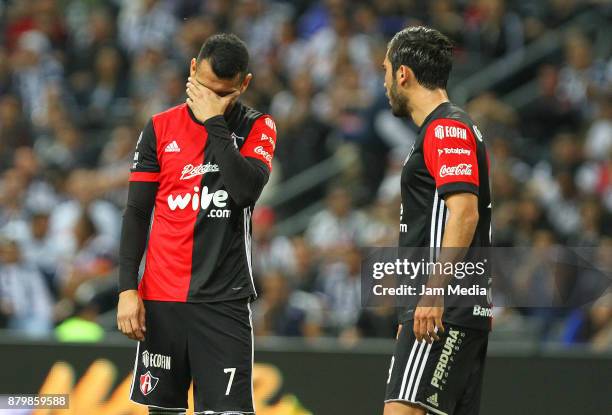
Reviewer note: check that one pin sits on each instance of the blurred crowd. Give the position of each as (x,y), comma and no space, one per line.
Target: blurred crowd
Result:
(80,78)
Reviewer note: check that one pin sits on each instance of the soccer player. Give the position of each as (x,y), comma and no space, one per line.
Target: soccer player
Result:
(438,363)
(198,170)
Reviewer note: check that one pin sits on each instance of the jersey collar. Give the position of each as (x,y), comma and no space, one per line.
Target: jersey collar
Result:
(435,113)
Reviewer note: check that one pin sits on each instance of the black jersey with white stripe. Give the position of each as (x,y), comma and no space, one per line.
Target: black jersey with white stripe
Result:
(449,156)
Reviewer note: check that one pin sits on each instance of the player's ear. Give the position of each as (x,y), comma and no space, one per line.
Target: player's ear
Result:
(193,65)
(404,75)
(246,82)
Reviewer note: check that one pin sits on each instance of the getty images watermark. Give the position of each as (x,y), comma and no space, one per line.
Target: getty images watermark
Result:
(479,277)
(413,271)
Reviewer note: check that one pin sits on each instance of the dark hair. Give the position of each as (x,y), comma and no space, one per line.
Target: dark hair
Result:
(424,50)
(227,54)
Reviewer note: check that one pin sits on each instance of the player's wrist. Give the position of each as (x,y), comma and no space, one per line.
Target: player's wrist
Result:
(208,116)
(128,293)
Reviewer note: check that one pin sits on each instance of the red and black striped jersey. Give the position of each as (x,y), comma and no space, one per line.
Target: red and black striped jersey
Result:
(199,245)
(448,156)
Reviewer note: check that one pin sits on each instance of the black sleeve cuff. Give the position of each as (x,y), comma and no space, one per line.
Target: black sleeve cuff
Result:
(457,187)
(217,127)
(126,283)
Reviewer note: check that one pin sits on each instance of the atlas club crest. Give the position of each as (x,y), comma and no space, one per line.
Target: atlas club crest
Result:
(148,382)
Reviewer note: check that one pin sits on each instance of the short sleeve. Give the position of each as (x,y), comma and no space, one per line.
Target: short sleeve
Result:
(261,141)
(450,155)
(145,166)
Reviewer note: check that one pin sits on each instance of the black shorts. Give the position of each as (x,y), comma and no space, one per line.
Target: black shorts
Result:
(209,343)
(444,377)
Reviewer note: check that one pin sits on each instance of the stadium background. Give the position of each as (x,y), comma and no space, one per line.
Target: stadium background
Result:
(79,79)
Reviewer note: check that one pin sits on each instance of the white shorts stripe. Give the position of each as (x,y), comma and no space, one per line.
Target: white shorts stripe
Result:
(135,367)
(418,380)
(414,345)
(414,369)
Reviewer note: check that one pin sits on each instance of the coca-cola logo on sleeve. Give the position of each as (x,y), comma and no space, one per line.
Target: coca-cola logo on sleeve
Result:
(260,150)
(463,169)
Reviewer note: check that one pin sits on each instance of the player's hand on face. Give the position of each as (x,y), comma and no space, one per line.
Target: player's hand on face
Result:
(131,315)
(428,323)
(205,103)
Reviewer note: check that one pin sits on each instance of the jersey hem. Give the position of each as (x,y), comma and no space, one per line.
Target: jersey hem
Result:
(421,404)
(218,300)
(196,300)
(157,406)
(454,323)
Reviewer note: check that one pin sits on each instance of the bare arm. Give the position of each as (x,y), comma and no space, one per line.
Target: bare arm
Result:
(462,220)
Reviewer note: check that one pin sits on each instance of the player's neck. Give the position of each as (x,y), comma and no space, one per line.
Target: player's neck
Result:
(424,101)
